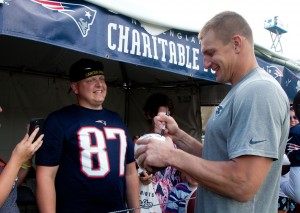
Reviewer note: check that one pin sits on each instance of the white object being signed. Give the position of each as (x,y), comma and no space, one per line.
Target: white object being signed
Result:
(150,135)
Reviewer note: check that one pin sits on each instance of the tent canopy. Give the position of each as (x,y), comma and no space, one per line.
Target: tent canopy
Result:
(46,37)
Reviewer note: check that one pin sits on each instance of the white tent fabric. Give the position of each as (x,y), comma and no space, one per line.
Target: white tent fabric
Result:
(180,15)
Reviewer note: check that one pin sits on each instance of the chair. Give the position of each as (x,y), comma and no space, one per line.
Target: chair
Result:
(190,203)
(26,197)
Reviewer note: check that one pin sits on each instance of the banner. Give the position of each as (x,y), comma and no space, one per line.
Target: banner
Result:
(88,28)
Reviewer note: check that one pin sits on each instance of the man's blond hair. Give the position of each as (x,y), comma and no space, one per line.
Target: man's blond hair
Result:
(227,24)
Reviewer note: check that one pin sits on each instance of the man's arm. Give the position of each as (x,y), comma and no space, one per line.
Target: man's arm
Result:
(132,185)
(239,178)
(45,189)
(187,143)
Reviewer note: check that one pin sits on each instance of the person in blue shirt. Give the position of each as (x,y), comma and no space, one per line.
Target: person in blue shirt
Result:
(87,161)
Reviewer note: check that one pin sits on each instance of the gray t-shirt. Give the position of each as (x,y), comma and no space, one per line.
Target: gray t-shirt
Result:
(10,205)
(253,119)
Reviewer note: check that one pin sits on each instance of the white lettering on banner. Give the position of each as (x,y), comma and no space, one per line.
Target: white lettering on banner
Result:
(133,42)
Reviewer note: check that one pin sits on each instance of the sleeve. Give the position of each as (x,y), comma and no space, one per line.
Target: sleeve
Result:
(257,120)
(51,150)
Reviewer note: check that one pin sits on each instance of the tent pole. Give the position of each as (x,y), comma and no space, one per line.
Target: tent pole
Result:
(126,88)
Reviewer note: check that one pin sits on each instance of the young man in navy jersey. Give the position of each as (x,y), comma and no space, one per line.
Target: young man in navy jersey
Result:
(86,163)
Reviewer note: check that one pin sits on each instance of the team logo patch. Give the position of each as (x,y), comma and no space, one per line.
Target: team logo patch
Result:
(218,111)
(292,147)
(82,15)
(274,71)
(101,122)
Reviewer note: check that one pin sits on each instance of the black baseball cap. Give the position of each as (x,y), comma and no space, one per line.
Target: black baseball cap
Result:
(85,68)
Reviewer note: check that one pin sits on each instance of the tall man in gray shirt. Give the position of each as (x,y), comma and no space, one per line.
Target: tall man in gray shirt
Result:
(239,166)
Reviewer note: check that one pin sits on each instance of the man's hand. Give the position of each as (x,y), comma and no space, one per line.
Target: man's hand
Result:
(154,154)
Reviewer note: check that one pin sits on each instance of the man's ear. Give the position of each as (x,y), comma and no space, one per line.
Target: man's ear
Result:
(74,87)
(237,43)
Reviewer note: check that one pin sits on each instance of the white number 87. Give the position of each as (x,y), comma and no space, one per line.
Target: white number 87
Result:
(88,150)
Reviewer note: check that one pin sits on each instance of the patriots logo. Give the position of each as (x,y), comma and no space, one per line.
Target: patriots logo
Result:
(218,111)
(292,147)
(82,15)
(275,71)
(101,121)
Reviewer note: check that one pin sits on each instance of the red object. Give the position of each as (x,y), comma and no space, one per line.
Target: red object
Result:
(190,205)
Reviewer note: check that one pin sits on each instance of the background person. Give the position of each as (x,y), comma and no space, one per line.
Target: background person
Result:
(293,118)
(177,199)
(14,171)
(163,180)
(285,204)
(290,184)
(238,168)
(87,162)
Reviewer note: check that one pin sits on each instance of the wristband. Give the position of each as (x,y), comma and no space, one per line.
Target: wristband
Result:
(26,165)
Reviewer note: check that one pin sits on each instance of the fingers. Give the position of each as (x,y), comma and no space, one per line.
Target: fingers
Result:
(149,169)
(147,179)
(143,164)
(31,145)
(143,141)
(37,144)
(161,121)
(140,159)
(33,134)
(25,138)
(39,138)
(140,150)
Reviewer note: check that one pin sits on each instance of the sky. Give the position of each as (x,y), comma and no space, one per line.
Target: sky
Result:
(192,14)
(255,12)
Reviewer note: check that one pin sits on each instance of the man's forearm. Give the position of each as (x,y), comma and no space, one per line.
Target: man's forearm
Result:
(188,143)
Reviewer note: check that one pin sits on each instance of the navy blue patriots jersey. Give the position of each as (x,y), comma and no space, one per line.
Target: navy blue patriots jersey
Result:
(293,146)
(92,148)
